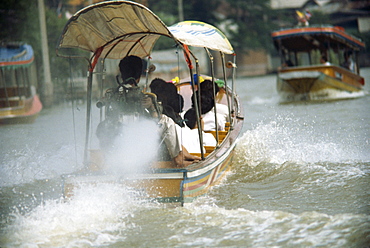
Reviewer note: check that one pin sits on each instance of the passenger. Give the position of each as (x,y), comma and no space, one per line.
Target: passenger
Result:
(191,135)
(324,60)
(289,63)
(208,110)
(348,62)
(286,64)
(131,68)
(171,101)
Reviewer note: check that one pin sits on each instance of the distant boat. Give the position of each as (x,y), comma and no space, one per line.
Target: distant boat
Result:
(318,63)
(19,102)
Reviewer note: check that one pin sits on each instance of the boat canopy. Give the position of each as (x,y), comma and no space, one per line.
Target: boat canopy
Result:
(113,29)
(200,34)
(14,55)
(303,39)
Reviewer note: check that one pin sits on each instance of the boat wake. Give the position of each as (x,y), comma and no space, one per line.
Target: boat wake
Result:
(135,147)
(257,100)
(104,215)
(30,164)
(241,227)
(279,193)
(95,216)
(279,142)
(323,95)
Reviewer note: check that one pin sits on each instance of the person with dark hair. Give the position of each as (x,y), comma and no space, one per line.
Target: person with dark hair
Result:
(348,62)
(191,118)
(207,107)
(171,101)
(324,60)
(131,68)
(206,87)
(190,135)
(286,64)
(111,126)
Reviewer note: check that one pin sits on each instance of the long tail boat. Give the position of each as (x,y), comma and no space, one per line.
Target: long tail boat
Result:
(19,102)
(318,63)
(115,29)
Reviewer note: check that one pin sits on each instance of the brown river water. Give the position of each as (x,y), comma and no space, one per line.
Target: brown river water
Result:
(300,178)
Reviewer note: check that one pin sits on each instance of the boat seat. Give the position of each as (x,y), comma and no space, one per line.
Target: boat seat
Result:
(209,149)
(199,155)
(221,134)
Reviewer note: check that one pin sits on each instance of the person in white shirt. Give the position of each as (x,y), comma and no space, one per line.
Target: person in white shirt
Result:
(190,135)
(222,117)
(348,62)
(208,108)
(324,60)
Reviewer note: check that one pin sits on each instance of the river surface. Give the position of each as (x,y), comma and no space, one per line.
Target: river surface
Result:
(300,178)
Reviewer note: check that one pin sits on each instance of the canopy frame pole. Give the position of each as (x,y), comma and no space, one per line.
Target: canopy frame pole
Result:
(211,59)
(18,83)
(233,90)
(224,72)
(102,83)
(339,55)
(147,75)
(281,53)
(92,63)
(5,87)
(88,114)
(199,113)
(188,54)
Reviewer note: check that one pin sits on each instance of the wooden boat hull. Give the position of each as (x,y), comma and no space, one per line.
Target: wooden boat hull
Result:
(21,111)
(163,184)
(169,186)
(318,83)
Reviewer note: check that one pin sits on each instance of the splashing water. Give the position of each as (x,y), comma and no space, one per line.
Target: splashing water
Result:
(29,164)
(279,142)
(107,215)
(134,149)
(96,215)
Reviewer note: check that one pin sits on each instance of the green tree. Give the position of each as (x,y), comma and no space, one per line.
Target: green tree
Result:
(196,10)
(249,24)
(319,18)
(19,21)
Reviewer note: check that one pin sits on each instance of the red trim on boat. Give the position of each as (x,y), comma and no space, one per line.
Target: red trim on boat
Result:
(22,62)
(303,30)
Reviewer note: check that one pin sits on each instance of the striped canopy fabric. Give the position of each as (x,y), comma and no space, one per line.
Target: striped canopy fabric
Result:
(316,37)
(13,55)
(200,34)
